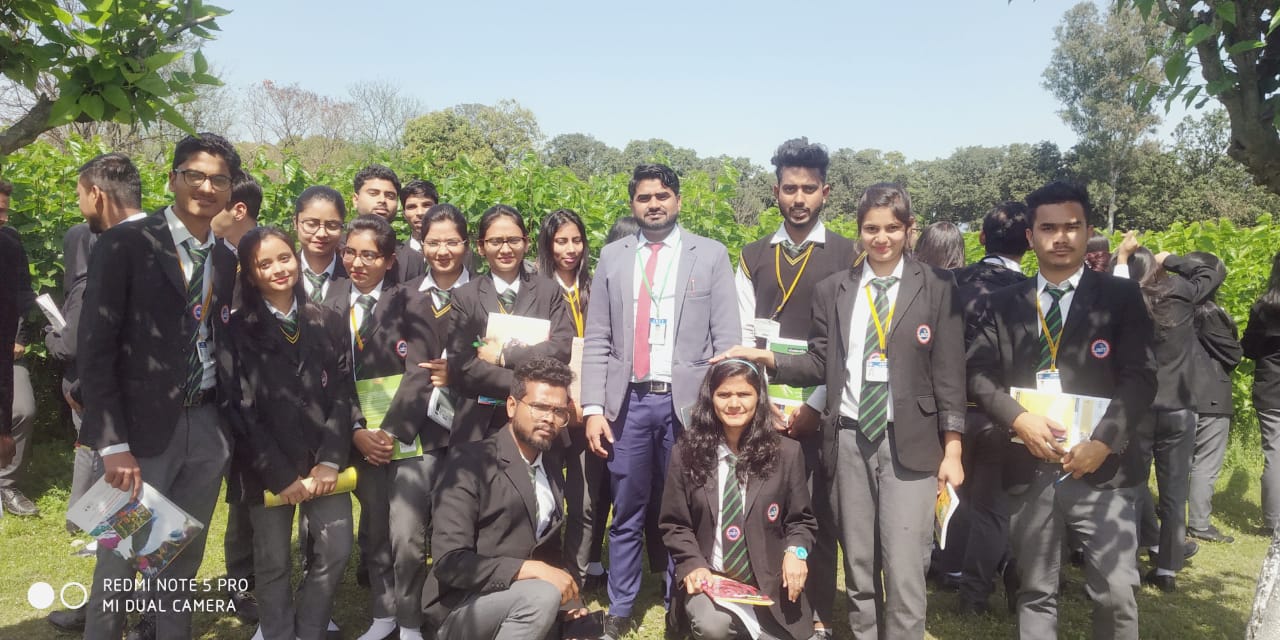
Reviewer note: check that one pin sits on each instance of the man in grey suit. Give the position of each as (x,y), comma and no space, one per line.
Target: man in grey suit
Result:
(663,304)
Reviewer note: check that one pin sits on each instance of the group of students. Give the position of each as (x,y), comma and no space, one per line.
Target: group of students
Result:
(209,347)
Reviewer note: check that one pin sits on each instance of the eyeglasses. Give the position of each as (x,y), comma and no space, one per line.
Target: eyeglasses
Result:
(435,245)
(559,415)
(195,178)
(367,257)
(515,241)
(311,225)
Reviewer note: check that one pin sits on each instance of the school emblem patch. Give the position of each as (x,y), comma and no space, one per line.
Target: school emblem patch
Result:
(733,533)
(226,314)
(773,512)
(197,312)
(1100,348)
(924,334)
(402,348)
(324,378)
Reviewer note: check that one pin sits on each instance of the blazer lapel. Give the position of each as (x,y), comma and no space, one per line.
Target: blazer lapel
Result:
(908,290)
(753,490)
(1078,313)
(526,297)
(626,276)
(687,256)
(846,296)
(487,291)
(517,470)
(1025,329)
(157,230)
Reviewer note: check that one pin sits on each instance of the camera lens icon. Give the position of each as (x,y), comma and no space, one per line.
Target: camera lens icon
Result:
(41,595)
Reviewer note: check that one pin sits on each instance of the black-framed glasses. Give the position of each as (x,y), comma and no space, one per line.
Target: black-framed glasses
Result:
(559,415)
(367,257)
(312,225)
(195,179)
(515,241)
(435,245)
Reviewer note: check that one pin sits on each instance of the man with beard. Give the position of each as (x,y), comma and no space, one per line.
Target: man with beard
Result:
(775,281)
(662,306)
(496,540)
(377,191)
(417,197)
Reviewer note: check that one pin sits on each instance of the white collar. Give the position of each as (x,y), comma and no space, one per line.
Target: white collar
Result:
(293,309)
(672,239)
(429,283)
(1003,261)
(137,216)
(376,294)
(231,247)
(180,233)
(502,286)
(333,264)
(568,288)
(1074,279)
(868,273)
(723,452)
(817,235)
(415,244)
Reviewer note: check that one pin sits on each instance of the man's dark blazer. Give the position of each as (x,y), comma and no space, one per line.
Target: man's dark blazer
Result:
(1106,352)
(135,338)
(974,282)
(1261,343)
(776,515)
(472,377)
(12,262)
(483,520)
(1188,283)
(76,247)
(926,360)
(426,336)
(1217,352)
(292,402)
(410,264)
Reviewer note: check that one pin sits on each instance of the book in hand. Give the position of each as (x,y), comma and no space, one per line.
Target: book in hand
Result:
(346,483)
(943,509)
(149,532)
(728,590)
(1077,414)
(517,330)
(51,312)
(785,397)
(375,396)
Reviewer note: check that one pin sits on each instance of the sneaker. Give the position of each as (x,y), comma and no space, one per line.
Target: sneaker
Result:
(1211,534)
(17,504)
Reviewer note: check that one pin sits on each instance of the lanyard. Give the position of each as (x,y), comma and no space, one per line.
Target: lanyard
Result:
(1052,341)
(777,268)
(666,274)
(881,329)
(575,308)
(355,330)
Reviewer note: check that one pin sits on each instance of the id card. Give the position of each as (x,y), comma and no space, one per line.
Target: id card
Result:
(765,331)
(1049,381)
(202,350)
(877,369)
(657,331)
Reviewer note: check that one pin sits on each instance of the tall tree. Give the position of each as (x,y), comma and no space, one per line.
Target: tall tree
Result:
(382,112)
(497,135)
(107,62)
(1094,72)
(584,155)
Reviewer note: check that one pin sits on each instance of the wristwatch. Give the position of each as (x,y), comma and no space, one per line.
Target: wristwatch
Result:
(801,553)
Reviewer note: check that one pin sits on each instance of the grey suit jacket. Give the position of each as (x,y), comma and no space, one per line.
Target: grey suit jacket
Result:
(706,321)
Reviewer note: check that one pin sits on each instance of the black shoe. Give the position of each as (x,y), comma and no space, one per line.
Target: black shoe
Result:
(1167,584)
(1077,557)
(1189,548)
(246,606)
(595,583)
(616,627)
(969,607)
(17,504)
(69,620)
(1011,586)
(1210,534)
(144,630)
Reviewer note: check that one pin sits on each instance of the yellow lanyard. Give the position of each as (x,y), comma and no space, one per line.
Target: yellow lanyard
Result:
(355,330)
(575,308)
(1053,341)
(881,329)
(777,268)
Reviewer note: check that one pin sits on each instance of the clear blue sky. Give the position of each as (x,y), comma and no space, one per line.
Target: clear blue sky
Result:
(918,76)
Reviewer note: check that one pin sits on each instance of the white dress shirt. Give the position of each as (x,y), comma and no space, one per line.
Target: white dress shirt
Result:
(1064,304)
(722,475)
(328,271)
(502,286)
(855,364)
(1003,261)
(661,356)
(542,491)
(429,283)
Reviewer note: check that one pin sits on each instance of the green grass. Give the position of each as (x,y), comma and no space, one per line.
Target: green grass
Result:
(1215,596)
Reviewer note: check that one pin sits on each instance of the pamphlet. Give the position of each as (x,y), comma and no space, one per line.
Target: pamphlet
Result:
(946,506)
(346,482)
(728,590)
(51,312)
(441,407)
(375,395)
(150,531)
(522,330)
(1077,414)
(786,397)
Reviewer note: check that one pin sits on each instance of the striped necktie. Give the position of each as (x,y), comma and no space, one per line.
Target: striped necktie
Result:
(289,326)
(365,302)
(316,280)
(1053,320)
(734,560)
(195,300)
(873,407)
(507,299)
(794,250)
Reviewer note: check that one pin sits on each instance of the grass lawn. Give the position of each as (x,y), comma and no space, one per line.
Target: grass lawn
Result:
(1215,596)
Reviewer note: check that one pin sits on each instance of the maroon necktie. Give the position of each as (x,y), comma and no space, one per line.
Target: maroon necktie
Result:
(640,358)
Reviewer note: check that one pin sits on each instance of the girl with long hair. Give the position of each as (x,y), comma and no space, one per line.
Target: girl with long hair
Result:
(1261,344)
(736,505)
(941,245)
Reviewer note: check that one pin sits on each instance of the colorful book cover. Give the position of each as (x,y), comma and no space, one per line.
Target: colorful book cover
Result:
(1077,414)
(943,510)
(786,397)
(727,590)
(149,532)
(375,396)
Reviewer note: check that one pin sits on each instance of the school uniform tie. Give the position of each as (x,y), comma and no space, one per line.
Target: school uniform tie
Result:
(441,296)
(507,300)
(640,341)
(794,250)
(734,559)
(873,407)
(1053,320)
(289,327)
(316,280)
(365,302)
(195,300)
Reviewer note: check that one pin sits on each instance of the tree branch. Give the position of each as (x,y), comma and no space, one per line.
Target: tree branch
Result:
(27,128)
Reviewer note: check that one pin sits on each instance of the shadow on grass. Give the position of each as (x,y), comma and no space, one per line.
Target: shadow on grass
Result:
(1233,504)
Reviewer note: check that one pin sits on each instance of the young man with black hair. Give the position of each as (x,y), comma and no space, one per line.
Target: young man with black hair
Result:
(377,191)
(1073,330)
(775,281)
(148,372)
(416,197)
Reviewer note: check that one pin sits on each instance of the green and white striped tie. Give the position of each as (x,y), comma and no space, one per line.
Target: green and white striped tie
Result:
(195,300)
(1053,320)
(734,542)
(873,407)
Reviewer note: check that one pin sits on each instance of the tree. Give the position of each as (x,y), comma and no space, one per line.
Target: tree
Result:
(105,63)
(381,113)
(1237,45)
(584,155)
(1093,72)
(680,159)
(499,135)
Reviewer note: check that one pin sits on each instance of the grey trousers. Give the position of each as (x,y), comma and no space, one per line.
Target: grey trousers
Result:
(85,470)
(1104,526)
(527,610)
(1206,464)
(587,505)
(1175,442)
(189,472)
(709,622)
(396,498)
(885,517)
(24,412)
(237,544)
(306,614)
(1269,423)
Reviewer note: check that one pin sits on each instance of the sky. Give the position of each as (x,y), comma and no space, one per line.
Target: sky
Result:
(923,77)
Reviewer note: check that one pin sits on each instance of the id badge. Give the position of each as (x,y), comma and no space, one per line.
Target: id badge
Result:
(1049,381)
(765,331)
(657,331)
(877,369)
(202,349)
